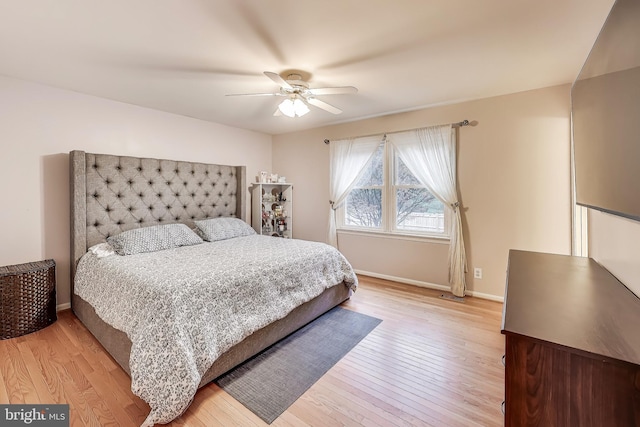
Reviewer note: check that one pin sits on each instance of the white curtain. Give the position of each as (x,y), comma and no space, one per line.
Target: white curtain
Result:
(348,158)
(430,155)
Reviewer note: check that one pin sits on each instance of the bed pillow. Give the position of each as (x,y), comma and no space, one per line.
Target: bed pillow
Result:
(151,239)
(223,228)
(102,250)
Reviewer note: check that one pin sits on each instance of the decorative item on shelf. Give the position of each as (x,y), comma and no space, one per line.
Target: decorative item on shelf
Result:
(266,222)
(263,176)
(274,177)
(282,179)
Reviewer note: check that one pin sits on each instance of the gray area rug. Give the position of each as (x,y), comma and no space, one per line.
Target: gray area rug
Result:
(270,382)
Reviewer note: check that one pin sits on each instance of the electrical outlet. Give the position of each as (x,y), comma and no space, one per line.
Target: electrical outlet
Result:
(477,273)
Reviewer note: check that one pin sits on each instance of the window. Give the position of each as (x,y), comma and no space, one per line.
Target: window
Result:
(388,198)
(363,207)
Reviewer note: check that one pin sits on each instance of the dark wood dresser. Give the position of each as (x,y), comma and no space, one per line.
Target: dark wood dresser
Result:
(572,337)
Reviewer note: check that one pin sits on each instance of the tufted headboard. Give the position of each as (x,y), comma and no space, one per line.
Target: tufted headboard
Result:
(111,194)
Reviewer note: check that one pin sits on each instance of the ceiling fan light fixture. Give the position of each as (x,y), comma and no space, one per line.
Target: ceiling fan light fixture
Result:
(298,94)
(300,107)
(286,108)
(293,107)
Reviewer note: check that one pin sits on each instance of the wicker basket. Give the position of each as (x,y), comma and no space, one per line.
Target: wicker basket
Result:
(27,298)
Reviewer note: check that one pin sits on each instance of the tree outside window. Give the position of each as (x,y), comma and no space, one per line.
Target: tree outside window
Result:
(388,198)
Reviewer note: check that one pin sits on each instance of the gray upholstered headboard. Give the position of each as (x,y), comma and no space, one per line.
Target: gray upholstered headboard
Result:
(111,194)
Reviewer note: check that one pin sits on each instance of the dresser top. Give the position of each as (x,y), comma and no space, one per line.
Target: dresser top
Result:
(572,302)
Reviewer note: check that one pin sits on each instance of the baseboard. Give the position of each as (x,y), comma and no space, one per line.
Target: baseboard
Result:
(64,306)
(429,285)
(489,297)
(403,280)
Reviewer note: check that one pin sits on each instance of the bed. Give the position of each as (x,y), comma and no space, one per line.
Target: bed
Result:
(115,194)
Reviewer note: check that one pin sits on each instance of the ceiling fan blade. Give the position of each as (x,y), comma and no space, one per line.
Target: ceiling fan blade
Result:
(278,80)
(333,90)
(323,105)
(254,94)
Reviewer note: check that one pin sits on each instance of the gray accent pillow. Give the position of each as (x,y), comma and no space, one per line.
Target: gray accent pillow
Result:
(223,228)
(151,239)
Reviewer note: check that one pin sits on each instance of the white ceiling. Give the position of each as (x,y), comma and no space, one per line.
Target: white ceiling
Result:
(183,56)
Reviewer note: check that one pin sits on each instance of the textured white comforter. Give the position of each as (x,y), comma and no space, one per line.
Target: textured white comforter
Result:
(182,308)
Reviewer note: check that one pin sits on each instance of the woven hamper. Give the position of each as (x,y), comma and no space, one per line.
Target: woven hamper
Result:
(27,298)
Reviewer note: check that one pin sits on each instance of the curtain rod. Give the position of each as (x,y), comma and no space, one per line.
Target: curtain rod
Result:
(453,125)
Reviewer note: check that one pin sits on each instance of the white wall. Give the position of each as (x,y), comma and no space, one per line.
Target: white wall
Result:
(615,243)
(39,125)
(514,182)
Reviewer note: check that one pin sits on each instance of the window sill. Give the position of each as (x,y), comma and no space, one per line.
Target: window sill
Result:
(443,240)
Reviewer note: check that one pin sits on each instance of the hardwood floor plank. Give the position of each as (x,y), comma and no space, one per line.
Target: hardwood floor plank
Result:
(372,404)
(416,406)
(35,373)
(309,413)
(431,362)
(19,385)
(351,407)
(441,380)
(287,419)
(112,397)
(60,384)
(4,395)
(426,394)
(223,411)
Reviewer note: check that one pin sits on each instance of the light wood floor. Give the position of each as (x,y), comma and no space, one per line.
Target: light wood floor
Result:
(431,362)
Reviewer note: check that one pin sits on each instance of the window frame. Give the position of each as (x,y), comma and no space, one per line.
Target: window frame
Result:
(389,206)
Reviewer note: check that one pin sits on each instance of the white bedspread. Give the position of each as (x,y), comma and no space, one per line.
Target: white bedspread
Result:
(182,308)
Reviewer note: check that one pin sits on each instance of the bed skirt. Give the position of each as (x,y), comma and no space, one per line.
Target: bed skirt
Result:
(118,345)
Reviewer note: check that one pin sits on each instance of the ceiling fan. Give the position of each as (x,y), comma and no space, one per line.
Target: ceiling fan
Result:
(293,85)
